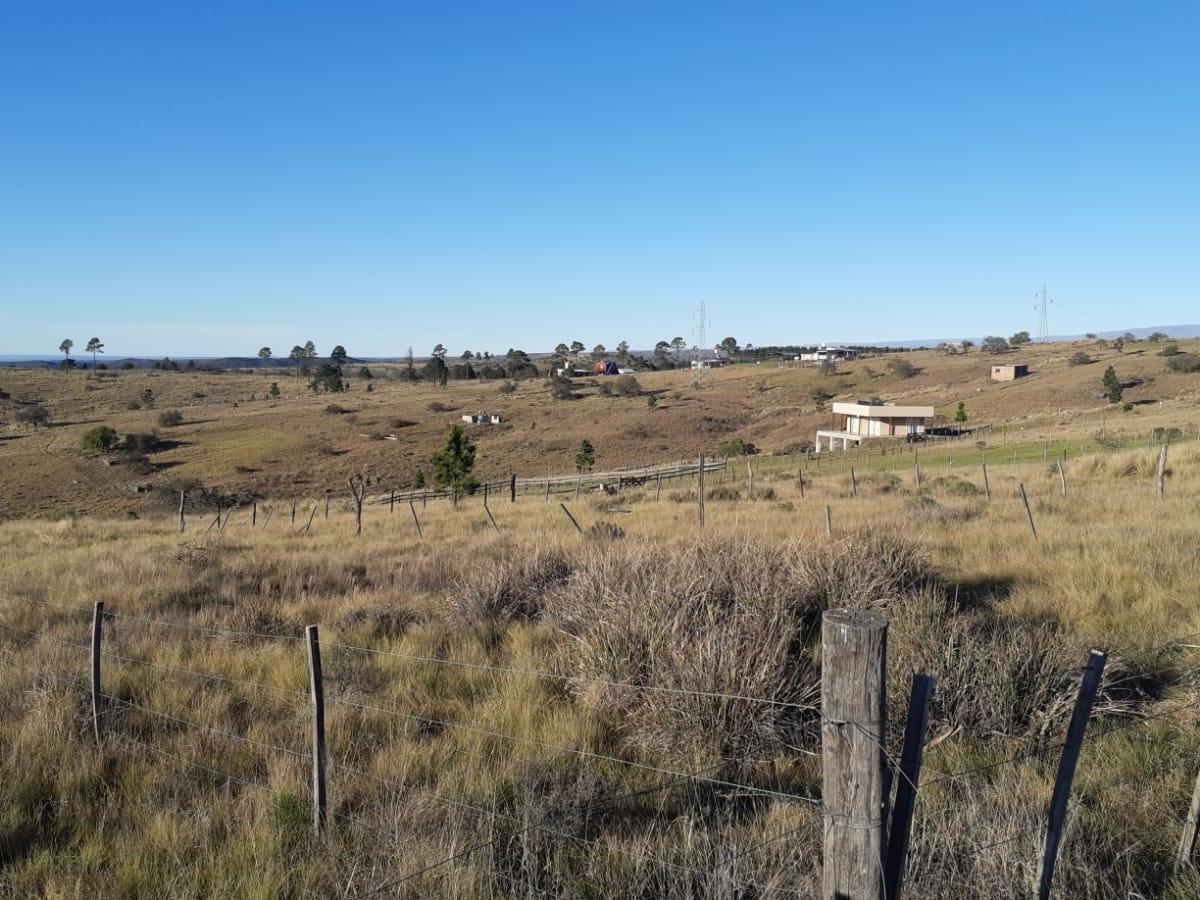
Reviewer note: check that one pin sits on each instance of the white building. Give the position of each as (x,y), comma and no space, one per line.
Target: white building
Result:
(854,422)
(482,418)
(825,352)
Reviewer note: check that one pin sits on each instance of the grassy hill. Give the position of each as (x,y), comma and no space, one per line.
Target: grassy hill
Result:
(236,439)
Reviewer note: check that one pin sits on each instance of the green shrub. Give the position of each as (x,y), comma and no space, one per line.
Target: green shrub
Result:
(1186,363)
(170,418)
(100,439)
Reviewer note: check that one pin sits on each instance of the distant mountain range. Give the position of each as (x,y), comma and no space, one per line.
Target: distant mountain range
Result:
(47,360)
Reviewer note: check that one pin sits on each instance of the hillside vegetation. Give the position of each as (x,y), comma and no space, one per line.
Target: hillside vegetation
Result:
(235,440)
(482,744)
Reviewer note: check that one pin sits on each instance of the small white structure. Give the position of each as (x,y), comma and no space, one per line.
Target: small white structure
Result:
(482,418)
(706,364)
(854,422)
(826,353)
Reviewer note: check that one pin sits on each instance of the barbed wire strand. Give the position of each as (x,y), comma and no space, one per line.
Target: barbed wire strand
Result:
(205,728)
(535,673)
(471,807)
(205,675)
(716,782)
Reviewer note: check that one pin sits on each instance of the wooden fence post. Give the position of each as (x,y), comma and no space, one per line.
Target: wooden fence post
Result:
(547,499)
(829,521)
(1056,814)
(700,491)
(800,481)
(312,513)
(853,482)
(357,493)
(906,789)
(1162,472)
(1028,511)
(254,513)
(853,732)
(1062,478)
(392,499)
(327,504)
(571,517)
(987,488)
(97,630)
(413,507)
(512,489)
(318,740)
(658,488)
(1187,842)
(182,500)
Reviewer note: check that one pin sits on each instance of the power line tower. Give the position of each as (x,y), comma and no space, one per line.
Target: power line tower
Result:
(1043,306)
(700,331)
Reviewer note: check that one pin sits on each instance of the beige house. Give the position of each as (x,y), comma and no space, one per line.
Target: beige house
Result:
(1010,372)
(854,422)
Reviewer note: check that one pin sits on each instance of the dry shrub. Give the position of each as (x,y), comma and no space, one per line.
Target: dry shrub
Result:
(605,531)
(503,585)
(924,508)
(718,616)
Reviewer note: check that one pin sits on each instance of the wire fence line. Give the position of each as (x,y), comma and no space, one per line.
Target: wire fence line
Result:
(725,788)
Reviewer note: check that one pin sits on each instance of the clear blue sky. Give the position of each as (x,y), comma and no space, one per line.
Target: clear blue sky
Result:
(209,177)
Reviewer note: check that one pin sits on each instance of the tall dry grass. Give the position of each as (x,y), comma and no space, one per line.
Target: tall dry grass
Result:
(435,760)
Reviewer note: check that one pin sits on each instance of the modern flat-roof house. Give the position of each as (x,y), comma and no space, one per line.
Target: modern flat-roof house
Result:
(825,352)
(1010,372)
(862,419)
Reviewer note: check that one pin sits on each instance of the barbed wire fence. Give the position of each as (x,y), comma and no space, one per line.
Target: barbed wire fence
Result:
(864,813)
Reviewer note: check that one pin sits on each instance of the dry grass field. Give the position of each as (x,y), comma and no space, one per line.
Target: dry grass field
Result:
(237,440)
(484,740)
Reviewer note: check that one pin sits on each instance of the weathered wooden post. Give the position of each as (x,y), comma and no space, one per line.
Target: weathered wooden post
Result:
(571,517)
(1187,841)
(254,513)
(1062,478)
(392,499)
(547,499)
(318,737)
(700,480)
(658,487)
(1028,511)
(512,489)
(906,789)
(987,488)
(413,507)
(97,629)
(1056,814)
(327,504)
(829,521)
(853,732)
(749,478)
(182,500)
(1162,472)
(853,482)
(800,482)
(293,511)
(357,494)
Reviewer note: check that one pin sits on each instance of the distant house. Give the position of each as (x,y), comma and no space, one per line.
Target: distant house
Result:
(855,422)
(706,364)
(572,372)
(1009,372)
(825,353)
(482,418)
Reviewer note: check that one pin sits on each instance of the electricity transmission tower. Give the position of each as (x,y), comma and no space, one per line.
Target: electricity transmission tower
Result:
(700,331)
(1043,306)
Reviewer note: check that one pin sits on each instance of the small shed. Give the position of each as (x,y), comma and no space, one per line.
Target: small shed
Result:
(482,418)
(1009,372)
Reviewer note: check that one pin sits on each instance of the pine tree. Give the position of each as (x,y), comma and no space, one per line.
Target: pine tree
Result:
(1113,389)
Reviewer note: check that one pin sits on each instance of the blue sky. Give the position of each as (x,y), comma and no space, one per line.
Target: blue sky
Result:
(207,178)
